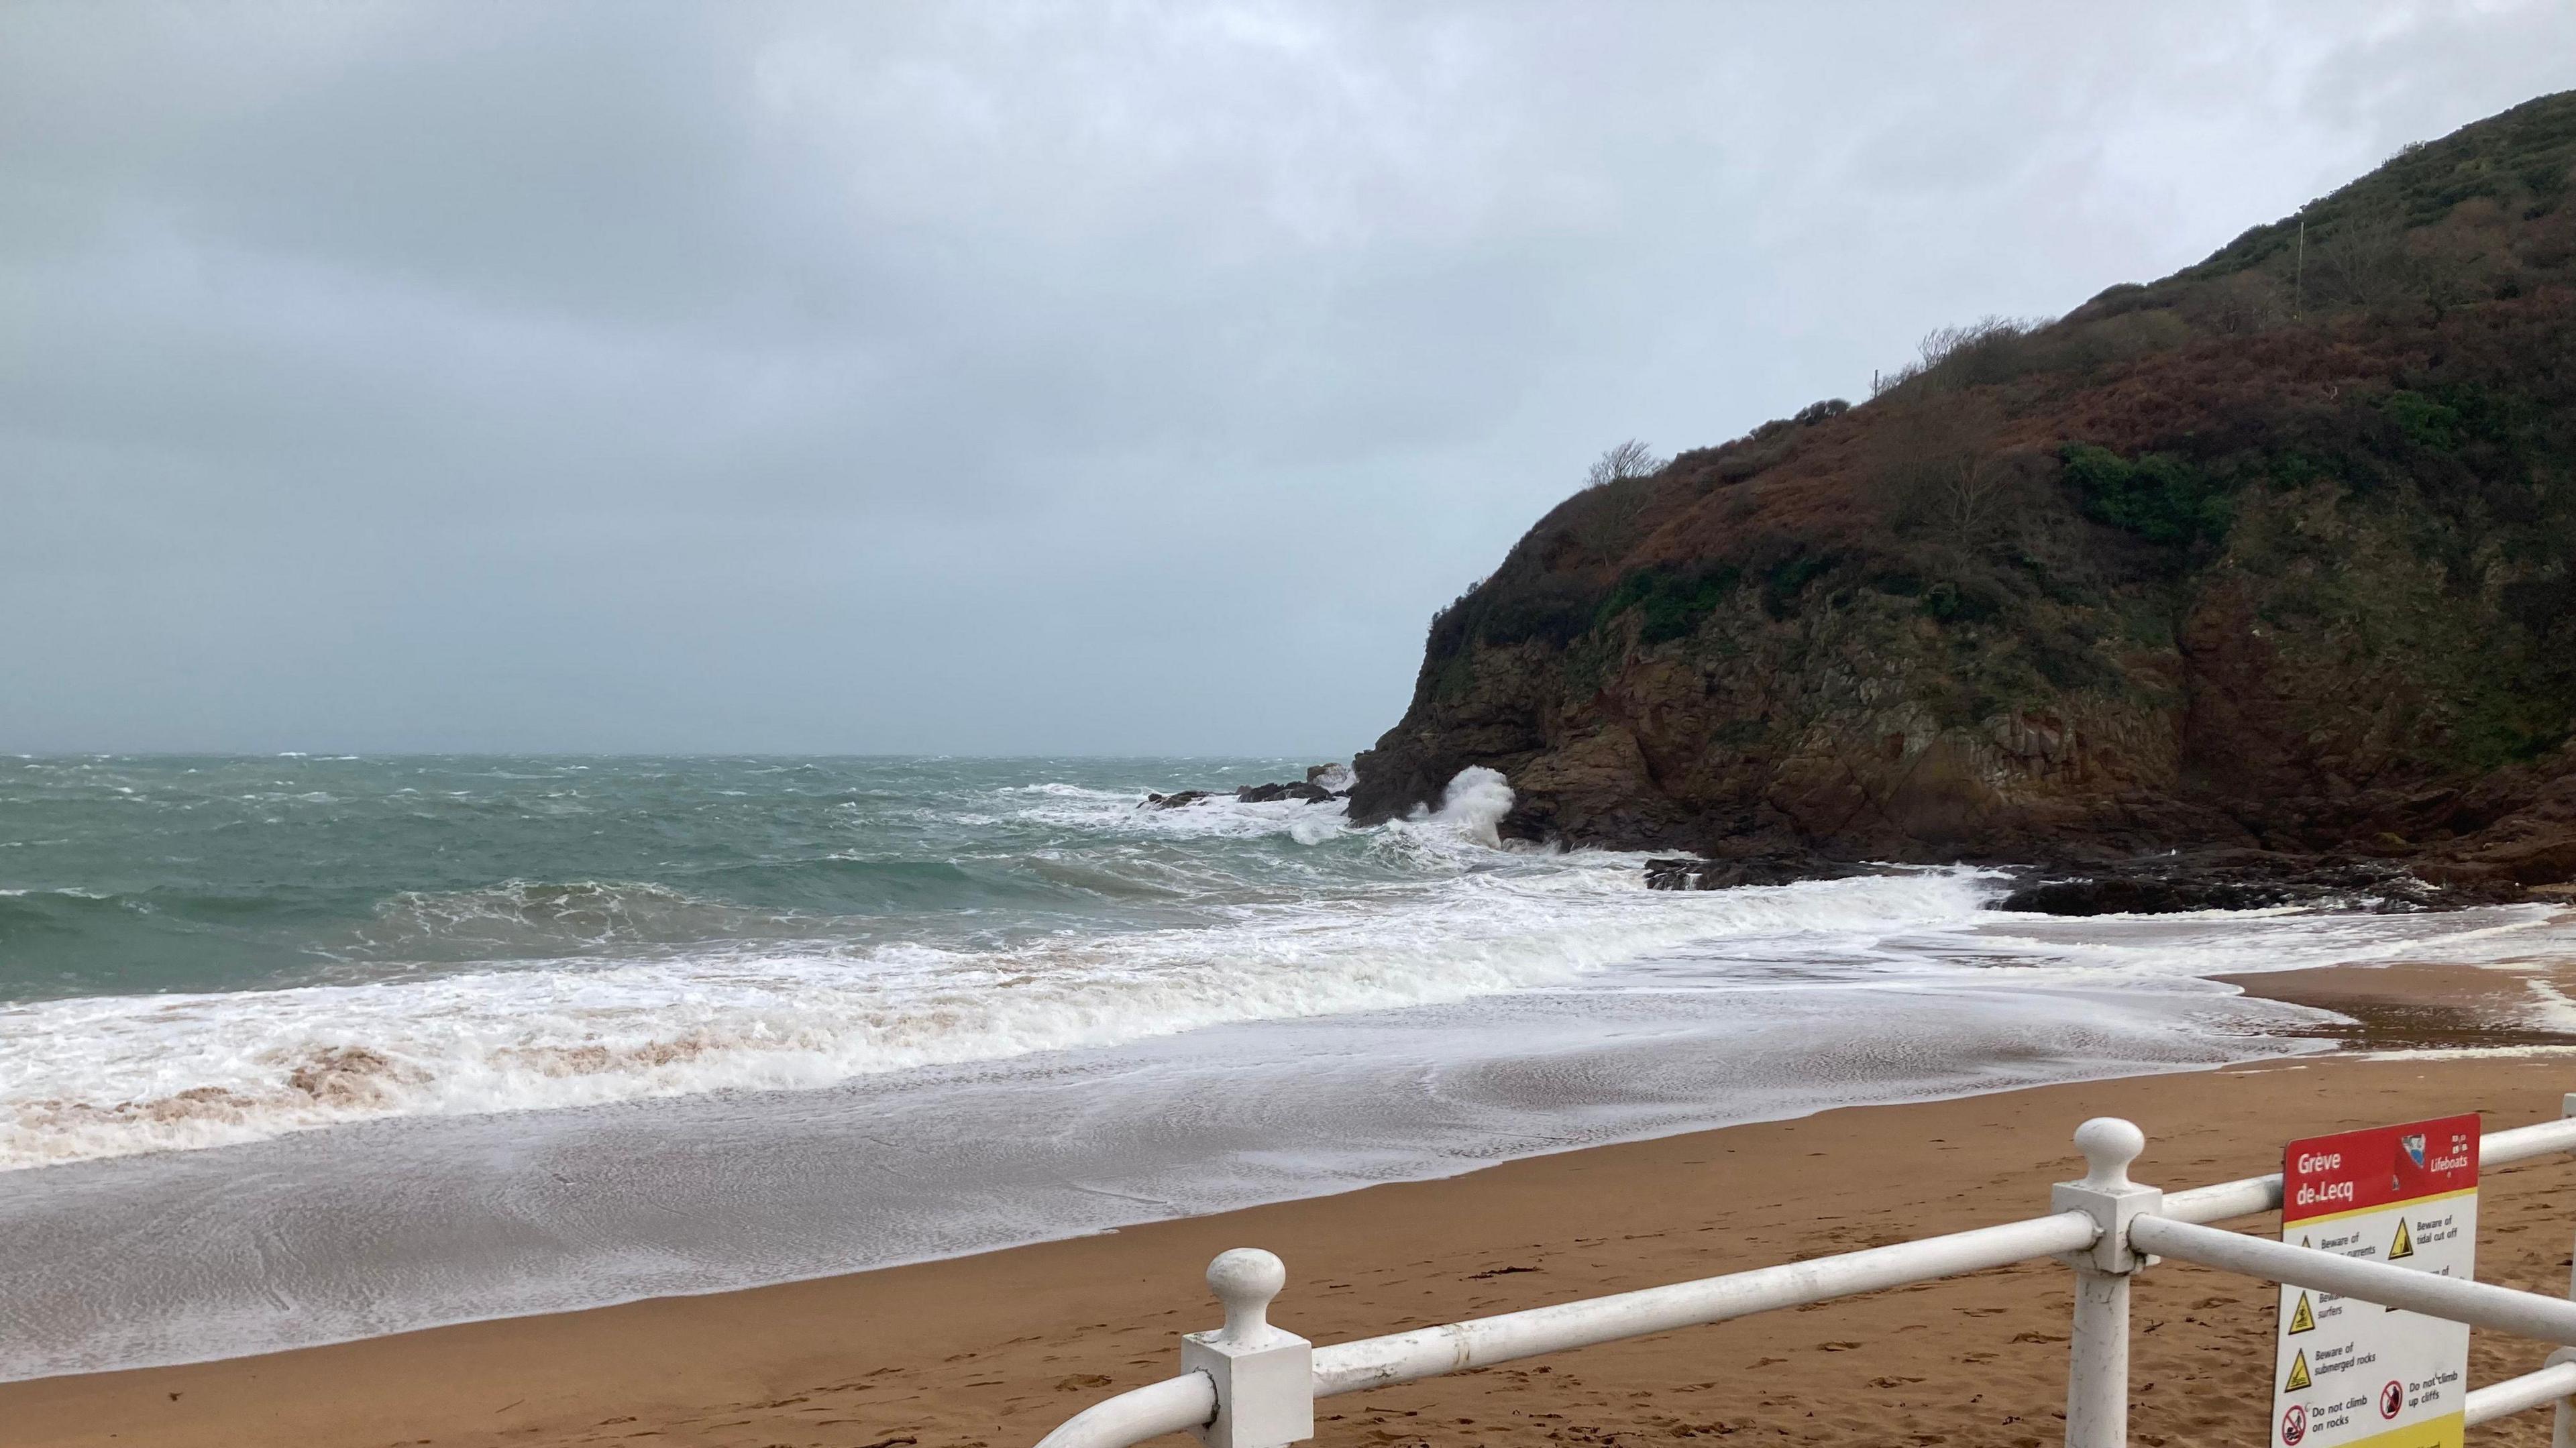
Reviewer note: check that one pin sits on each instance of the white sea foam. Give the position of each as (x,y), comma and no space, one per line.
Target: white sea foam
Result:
(108,1076)
(1219,816)
(1474,804)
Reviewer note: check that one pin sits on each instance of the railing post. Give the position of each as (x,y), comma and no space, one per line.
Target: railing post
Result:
(2097,1370)
(2562,1432)
(1264,1376)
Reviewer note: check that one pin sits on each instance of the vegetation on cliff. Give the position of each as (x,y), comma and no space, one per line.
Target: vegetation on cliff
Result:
(2278,551)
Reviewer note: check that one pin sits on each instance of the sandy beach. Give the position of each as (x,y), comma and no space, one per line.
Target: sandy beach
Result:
(993,1350)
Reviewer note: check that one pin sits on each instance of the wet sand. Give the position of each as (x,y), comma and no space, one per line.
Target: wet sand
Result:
(993,1350)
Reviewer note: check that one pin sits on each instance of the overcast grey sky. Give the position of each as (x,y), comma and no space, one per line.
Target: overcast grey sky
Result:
(978,378)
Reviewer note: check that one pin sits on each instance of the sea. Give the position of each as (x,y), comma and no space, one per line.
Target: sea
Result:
(301,1049)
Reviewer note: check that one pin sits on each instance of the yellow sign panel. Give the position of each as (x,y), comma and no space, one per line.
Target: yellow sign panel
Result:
(2445,1432)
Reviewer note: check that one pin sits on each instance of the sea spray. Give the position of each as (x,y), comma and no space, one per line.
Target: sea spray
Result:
(1474,803)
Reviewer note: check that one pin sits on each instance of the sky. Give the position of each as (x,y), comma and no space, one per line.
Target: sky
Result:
(1109,378)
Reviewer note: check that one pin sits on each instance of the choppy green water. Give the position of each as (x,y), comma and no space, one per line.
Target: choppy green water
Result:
(133,875)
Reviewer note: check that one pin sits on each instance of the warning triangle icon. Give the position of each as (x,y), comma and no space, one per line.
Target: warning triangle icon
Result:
(2303,1318)
(2404,1246)
(2299,1379)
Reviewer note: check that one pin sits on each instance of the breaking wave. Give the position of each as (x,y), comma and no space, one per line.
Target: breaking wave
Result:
(1440,915)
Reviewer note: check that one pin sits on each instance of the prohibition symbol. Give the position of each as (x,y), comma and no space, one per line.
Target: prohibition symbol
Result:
(2299,1380)
(2404,1246)
(2294,1425)
(2304,1319)
(2391,1398)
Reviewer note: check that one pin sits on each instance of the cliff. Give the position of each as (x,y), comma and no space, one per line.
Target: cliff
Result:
(2276,552)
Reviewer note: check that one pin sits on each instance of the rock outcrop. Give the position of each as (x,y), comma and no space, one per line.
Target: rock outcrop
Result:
(1323,784)
(1728,874)
(2268,555)
(1292,789)
(2253,880)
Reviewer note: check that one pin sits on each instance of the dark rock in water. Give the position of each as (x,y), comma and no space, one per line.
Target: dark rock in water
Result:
(1335,778)
(1267,793)
(2255,880)
(1693,874)
(1247,794)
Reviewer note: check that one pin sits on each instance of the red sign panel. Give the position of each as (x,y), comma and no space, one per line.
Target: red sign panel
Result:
(2325,1176)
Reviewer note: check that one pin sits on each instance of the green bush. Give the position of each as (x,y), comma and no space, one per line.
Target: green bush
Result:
(1546,610)
(2157,496)
(1670,603)
(1789,578)
(2427,423)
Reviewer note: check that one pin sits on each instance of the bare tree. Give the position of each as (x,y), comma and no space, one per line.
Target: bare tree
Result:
(2385,269)
(1991,349)
(1937,468)
(1630,459)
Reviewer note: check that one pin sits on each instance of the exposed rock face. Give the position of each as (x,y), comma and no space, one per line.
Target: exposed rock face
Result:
(1293,789)
(1323,784)
(1333,777)
(2206,564)
(1698,874)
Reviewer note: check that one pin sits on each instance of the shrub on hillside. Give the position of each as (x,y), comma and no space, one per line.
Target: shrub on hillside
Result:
(1670,602)
(2158,496)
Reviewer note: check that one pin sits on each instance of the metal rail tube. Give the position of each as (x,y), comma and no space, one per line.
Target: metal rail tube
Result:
(2225,1200)
(1403,1357)
(2245,1197)
(1132,1417)
(2515,1395)
(2525,1314)
(2522,1143)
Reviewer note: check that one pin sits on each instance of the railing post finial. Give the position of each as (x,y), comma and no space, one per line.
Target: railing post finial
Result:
(2109,1144)
(1245,1280)
(1264,1376)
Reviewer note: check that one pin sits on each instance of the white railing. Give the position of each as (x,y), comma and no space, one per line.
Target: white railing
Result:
(1251,1385)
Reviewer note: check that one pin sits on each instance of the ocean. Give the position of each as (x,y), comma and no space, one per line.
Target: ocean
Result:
(299,1049)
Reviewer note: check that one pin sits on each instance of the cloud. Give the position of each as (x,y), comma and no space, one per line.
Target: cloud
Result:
(1015,377)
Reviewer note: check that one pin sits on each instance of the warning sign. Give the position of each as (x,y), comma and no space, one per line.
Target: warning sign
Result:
(2352,1374)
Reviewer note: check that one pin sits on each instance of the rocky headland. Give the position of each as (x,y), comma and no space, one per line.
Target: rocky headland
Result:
(2271,562)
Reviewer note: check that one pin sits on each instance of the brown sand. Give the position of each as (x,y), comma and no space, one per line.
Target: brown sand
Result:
(2416,1007)
(991,1351)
